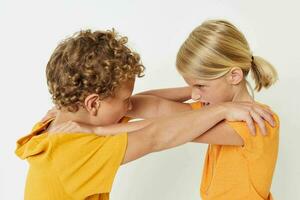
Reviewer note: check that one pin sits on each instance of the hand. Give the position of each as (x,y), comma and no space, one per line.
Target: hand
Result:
(249,112)
(50,114)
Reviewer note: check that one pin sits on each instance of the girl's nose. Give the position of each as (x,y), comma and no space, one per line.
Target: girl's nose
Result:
(196,96)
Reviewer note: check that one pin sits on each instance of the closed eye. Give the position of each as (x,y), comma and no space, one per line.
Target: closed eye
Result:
(199,86)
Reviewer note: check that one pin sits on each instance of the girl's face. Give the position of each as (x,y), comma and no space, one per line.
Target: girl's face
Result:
(210,92)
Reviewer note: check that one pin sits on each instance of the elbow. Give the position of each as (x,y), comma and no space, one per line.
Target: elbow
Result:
(159,139)
(154,139)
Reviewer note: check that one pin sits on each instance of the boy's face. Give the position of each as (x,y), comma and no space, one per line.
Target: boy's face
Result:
(112,109)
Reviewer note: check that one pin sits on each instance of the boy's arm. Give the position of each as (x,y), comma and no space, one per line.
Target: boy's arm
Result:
(179,94)
(221,134)
(160,102)
(152,103)
(148,106)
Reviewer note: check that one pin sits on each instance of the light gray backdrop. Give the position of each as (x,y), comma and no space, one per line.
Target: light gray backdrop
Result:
(30,30)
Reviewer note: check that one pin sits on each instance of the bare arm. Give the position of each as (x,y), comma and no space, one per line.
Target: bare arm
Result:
(179,94)
(157,103)
(171,131)
(148,106)
(116,129)
(152,103)
(158,134)
(167,132)
(221,134)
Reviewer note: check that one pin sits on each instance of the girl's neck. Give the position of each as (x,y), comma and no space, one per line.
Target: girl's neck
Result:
(242,94)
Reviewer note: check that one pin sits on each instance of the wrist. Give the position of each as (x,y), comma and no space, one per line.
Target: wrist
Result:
(221,110)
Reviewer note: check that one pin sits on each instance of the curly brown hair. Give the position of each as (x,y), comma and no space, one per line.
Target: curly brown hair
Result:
(90,62)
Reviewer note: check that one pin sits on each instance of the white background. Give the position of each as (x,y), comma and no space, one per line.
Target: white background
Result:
(30,30)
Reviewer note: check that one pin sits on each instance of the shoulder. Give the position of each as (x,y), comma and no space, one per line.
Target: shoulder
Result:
(258,142)
(86,139)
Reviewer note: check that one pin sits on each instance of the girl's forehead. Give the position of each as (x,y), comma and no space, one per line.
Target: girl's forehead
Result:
(196,81)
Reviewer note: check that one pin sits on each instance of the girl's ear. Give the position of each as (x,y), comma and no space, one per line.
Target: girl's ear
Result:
(235,76)
(92,104)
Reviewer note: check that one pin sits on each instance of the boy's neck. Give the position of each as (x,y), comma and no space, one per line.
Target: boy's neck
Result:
(80,116)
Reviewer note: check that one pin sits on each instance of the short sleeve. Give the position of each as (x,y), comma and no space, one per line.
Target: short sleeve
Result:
(243,131)
(86,164)
(257,144)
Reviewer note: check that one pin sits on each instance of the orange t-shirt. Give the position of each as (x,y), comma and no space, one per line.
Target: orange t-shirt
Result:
(70,165)
(241,172)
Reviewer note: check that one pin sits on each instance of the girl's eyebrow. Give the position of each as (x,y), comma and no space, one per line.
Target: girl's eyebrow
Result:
(198,84)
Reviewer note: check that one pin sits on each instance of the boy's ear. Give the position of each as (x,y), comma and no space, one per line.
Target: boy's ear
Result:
(235,76)
(92,103)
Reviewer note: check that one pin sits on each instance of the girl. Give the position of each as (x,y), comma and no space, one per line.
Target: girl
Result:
(215,60)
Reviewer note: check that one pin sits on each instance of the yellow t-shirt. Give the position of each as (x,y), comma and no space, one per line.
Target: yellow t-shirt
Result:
(70,165)
(241,173)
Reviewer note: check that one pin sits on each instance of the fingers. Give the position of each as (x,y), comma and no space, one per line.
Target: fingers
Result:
(252,113)
(266,115)
(260,121)
(264,111)
(250,124)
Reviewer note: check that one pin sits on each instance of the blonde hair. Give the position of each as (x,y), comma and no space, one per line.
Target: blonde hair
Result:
(214,48)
